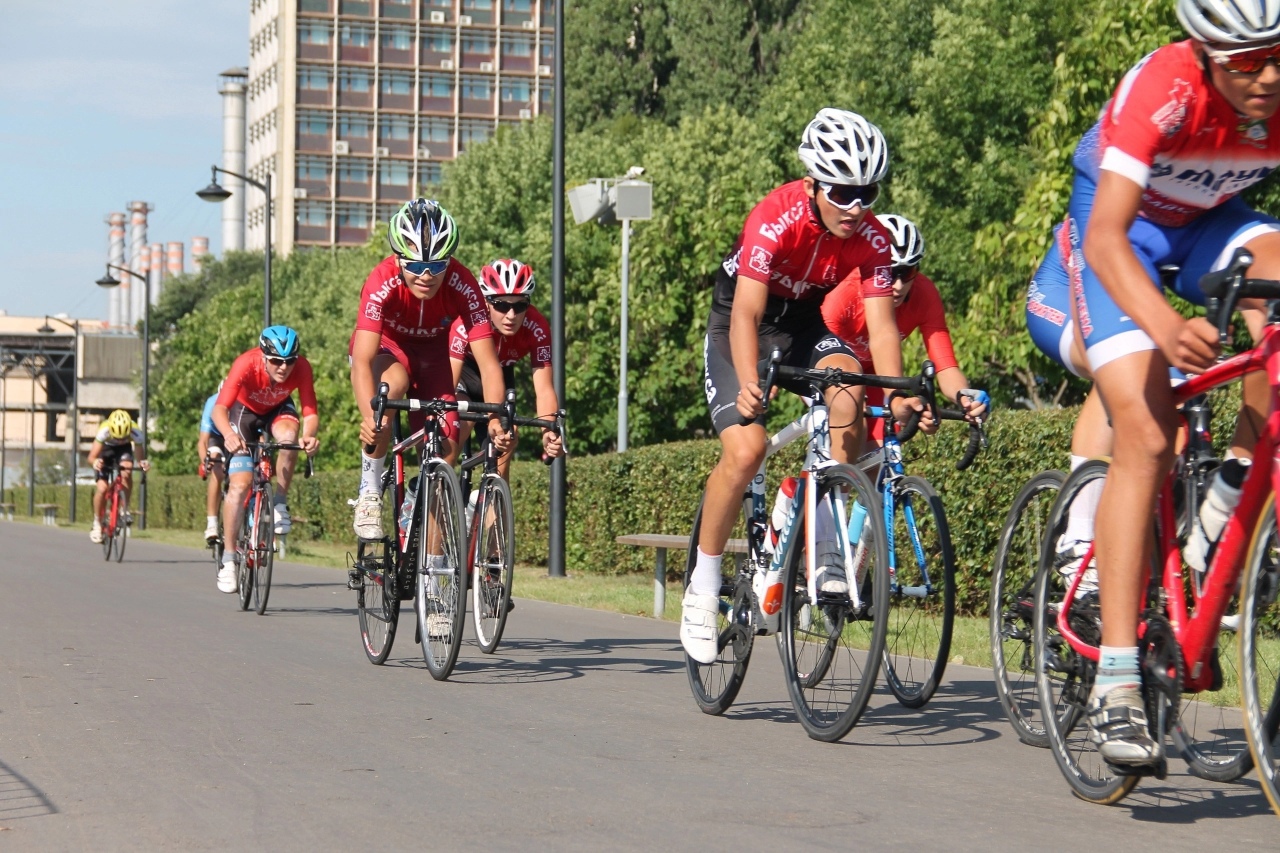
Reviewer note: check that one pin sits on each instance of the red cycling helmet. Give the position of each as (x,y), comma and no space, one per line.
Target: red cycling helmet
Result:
(506,278)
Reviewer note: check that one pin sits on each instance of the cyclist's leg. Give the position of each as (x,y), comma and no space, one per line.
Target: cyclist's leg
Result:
(284,429)
(468,388)
(248,427)
(848,433)
(392,367)
(125,461)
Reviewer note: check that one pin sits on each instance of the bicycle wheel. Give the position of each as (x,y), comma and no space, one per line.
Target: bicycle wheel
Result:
(442,580)
(1063,677)
(831,651)
(1013,602)
(493,561)
(265,550)
(1260,652)
(106,523)
(119,528)
(922,596)
(377,598)
(715,685)
(246,554)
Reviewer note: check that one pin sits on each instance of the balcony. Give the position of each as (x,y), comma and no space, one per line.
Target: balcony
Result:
(356,129)
(396,91)
(312,224)
(315,40)
(355,88)
(517,13)
(480,11)
(437,11)
(517,53)
(315,176)
(315,132)
(353,224)
(435,47)
(363,8)
(323,7)
(355,43)
(315,87)
(397,9)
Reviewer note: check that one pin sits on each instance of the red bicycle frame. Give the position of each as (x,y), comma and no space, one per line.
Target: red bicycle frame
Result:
(1197,633)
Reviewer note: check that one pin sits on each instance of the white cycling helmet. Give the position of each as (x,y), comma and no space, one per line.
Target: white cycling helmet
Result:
(1231,22)
(840,147)
(908,243)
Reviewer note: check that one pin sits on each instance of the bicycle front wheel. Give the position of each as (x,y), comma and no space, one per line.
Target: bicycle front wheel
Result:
(106,523)
(922,605)
(246,554)
(265,550)
(492,561)
(377,598)
(442,577)
(1260,652)
(831,647)
(1012,605)
(119,528)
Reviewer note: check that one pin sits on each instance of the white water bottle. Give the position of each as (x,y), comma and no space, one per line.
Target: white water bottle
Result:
(768,584)
(781,510)
(471,509)
(407,507)
(1219,502)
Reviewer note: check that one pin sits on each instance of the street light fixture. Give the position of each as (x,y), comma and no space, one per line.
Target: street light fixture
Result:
(216,193)
(609,200)
(108,280)
(73,415)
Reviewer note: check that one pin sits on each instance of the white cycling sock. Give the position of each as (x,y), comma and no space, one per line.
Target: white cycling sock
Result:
(706,574)
(371,474)
(1083,509)
(211,520)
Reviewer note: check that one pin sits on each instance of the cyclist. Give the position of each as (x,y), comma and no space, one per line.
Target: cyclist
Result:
(917,305)
(522,330)
(116,445)
(401,338)
(211,451)
(255,398)
(1157,181)
(797,244)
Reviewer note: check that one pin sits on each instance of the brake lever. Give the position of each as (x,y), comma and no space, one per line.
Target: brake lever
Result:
(379,404)
(775,358)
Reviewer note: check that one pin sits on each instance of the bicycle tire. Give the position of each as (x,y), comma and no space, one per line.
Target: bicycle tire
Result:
(918,637)
(1063,677)
(246,553)
(847,646)
(446,597)
(715,685)
(492,558)
(377,599)
(119,529)
(106,525)
(1260,652)
(1012,605)
(266,549)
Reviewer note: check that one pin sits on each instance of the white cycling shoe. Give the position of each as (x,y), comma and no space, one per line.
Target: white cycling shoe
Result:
(699,633)
(95,534)
(211,531)
(284,522)
(831,576)
(227,578)
(368,523)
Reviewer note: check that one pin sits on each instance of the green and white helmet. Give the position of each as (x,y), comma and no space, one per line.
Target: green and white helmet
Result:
(422,230)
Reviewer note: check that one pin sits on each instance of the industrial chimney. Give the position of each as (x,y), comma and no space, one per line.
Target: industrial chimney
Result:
(115,255)
(199,249)
(232,88)
(157,271)
(139,261)
(174,261)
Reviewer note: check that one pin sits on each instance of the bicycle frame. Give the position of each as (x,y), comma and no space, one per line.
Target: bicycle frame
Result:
(1197,633)
(891,470)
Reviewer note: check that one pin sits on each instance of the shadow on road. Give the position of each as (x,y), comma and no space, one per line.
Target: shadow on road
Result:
(1155,802)
(543,659)
(19,798)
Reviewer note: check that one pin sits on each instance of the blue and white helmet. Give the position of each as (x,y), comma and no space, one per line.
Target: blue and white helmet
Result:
(279,341)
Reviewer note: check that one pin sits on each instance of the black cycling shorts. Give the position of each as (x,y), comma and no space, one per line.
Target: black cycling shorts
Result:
(112,455)
(249,425)
(469,384)
(801,336)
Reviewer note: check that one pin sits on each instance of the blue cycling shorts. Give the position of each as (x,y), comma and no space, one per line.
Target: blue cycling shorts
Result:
(1064,279)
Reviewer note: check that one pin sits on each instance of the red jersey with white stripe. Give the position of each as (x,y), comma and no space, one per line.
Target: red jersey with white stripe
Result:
(421,326)
(1171,132)
(785,246)
(842,312)
(533,339)
(249,384)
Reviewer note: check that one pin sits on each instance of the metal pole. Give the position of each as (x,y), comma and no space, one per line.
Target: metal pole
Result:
(31,459)
(146,379)
(266,288)
(75,421)
(4,424)
(555,549)
(622,379)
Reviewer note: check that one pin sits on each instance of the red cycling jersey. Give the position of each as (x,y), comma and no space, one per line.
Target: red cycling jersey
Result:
(1171,132)
(533,338)
(421,326)
(249,385)
(785,245)
(922,309)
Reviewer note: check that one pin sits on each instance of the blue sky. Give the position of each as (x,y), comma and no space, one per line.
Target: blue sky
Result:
(101,103)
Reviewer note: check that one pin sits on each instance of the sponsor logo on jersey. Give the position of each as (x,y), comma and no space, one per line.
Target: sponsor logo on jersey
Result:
(1254,133)
(796,213)
(1170,118)
(380,295)
(877,240)
(882,278)
(830,342)
(373,311)
(730,264)
(761,260)
(544,354)
(458,346)
(1036,306)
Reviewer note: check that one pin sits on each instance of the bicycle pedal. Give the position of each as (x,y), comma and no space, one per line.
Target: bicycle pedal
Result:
(355,580)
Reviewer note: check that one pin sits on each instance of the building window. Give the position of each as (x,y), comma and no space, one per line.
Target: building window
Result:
(313,175)
(315,85)
(356,129)
(355,88)
(353,223)
(355,7)
(441,7)
(436,130)
(355,43)
(315,6)
(516,12)
(354,178)
(395,133)
(517,53)
(477,88)
(315,40)
(429,175)
(481,11)
(397,90)
(397,8)
(436,93)
(313,131)
(394,179)
(477,43)
(473,132)
(516,90)
(397,45)
(312,221)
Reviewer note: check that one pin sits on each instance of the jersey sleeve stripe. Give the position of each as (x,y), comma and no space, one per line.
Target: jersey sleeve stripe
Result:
(1115,160)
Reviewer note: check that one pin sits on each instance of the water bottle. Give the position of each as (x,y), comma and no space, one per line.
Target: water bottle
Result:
(471,508)
(781,510)
(857,520)
(768,584)
(406,508)
(1219,502)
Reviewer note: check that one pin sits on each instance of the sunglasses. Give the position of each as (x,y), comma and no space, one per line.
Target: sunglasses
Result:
(509,307)
(905,273)
(431,268)
(276,361)
(845,196)
(1249,60)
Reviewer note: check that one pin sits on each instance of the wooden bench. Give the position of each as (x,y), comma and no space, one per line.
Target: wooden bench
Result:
(662,542)
(50,514)
(7,511)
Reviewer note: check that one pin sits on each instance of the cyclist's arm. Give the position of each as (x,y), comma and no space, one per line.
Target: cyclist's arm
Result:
(310,427)
(95,451)
(494,385)
(222,419)
(1190,345)
(202,446)
(886,350)
(544,390)
(455,364)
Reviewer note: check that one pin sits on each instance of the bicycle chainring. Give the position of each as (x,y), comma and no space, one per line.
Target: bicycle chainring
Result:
(742,623)
(1163,671)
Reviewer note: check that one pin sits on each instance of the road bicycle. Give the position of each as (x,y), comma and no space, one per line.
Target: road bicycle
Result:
(1182,618)
(255,541)
(922,565)
(114,520)
(831,645)
(490,526)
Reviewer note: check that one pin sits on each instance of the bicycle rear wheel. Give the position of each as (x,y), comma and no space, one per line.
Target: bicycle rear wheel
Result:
(1260,652)
(715,685)
(265,549)
(493,561)
(1012,605)
(442,581)
(119,528)
(377,598)
(246,554)
(1063,677)
(922,604)
(830,649)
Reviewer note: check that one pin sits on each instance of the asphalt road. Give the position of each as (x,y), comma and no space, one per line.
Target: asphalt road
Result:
(140,709)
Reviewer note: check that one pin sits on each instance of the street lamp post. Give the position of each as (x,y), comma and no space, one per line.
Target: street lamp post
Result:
(108,280)
(73,416)
(215,192)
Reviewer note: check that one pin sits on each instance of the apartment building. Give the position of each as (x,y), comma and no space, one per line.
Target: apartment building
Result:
(354,105)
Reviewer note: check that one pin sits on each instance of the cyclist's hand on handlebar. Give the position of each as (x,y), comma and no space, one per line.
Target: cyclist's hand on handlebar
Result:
(1194,348)
(503,440)
(233,443)
(552,443)
(368,435)
(750,401)
(975,403)
(903,407)
(310,444)
(145,465)
(98,463)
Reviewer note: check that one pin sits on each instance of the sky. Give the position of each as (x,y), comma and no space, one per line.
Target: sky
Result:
(104,102)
